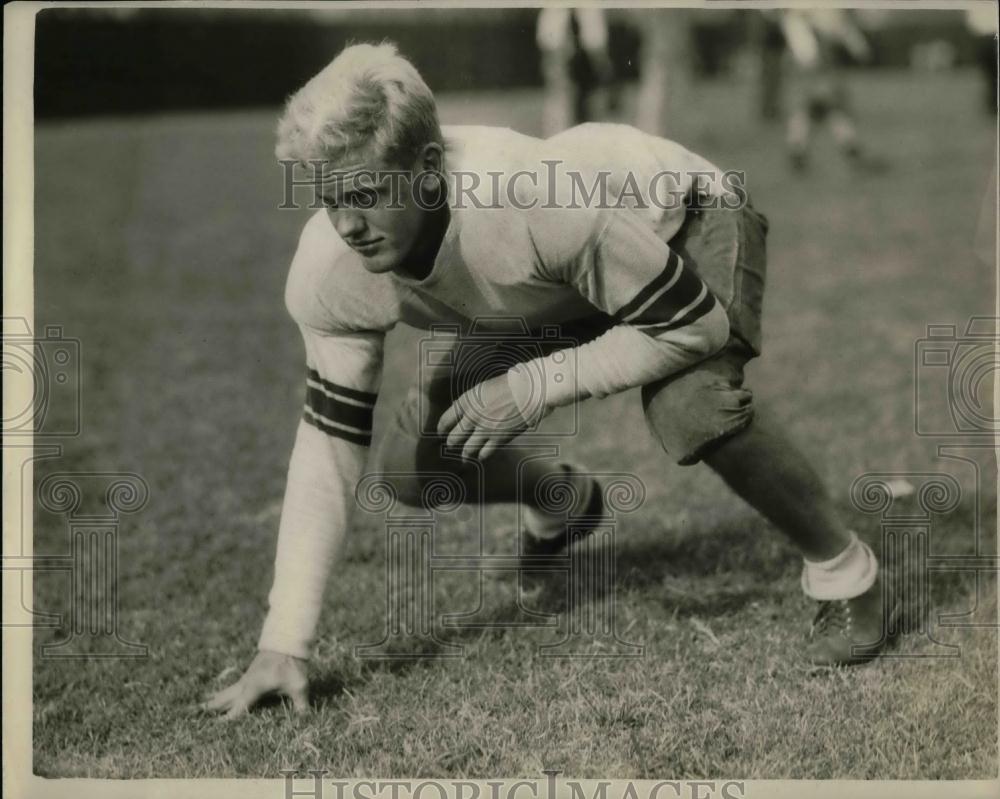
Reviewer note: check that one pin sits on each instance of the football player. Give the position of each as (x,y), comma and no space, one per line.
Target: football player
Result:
(820,94)
(644,254)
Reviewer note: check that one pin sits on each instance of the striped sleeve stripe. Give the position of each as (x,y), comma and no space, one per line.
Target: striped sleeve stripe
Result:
(351,396)
(702,304)
(653,290)
(332,428)
(338,410)
(685,290)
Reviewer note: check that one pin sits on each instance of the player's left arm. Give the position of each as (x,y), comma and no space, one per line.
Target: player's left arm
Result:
(668,318)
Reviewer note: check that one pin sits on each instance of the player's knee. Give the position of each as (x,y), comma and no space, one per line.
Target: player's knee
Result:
(399,465)
(427,488)
(407,488)
(410,461)
(691,419)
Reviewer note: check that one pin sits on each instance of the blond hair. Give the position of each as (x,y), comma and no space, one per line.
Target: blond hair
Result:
(369,105)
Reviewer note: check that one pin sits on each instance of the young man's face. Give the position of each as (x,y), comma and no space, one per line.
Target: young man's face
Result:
(381,212)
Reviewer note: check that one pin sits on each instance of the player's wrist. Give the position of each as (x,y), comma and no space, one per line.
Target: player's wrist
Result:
(276,655)
(543,384)
(276,642)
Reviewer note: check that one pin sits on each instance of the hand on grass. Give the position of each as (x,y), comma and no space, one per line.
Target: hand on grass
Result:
(269,673)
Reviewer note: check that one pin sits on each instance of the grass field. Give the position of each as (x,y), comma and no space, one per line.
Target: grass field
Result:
(158,246)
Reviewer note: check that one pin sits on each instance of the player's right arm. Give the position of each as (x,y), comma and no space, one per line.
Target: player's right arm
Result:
(343,372)
(331,447)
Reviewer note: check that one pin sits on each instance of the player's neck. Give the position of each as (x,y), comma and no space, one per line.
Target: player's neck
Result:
(420,263)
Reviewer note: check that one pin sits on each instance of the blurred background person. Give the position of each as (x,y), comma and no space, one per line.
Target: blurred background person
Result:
(982,22)
(818,39)
(767,35)
(665,66)
(576,66)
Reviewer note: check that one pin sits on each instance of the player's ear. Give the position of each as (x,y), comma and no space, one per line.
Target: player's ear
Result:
(431,157)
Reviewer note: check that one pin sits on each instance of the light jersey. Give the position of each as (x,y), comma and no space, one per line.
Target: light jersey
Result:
(535,251)
(543,264)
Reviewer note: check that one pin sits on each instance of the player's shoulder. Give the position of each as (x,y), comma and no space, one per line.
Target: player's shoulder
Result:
(614,145)
(475,152)
(491,141)
(593,137)
(598,144)
(328,288)
(494,171)
(582,172)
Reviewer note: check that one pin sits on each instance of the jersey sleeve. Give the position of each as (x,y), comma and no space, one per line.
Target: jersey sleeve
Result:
(634,276)
(328,458)
(342,377)
(668,319)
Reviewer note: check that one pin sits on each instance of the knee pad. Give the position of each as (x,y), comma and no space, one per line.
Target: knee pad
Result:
(692,413)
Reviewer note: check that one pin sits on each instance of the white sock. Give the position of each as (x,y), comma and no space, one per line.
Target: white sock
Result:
(545,524)
(845,576)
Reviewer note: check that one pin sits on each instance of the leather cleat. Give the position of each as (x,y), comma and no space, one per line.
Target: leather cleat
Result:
(847,632)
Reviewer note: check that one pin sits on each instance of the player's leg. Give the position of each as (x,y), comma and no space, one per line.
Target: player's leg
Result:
(511,474)
(408,458)
(409,453)
(706,413)
(770,473)
(721,407)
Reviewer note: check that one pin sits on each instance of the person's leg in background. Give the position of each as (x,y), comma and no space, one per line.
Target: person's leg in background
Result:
(842,123)
(666,54)
(552,38)
(803,112)
(798,138)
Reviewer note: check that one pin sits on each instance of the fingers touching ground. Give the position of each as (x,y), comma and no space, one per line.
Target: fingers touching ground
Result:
(267,675)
